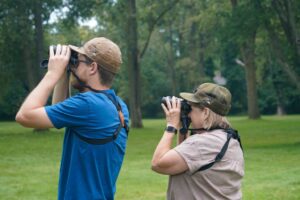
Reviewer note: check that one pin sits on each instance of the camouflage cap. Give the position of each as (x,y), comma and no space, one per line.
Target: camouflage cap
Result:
(103,51)
(211,95)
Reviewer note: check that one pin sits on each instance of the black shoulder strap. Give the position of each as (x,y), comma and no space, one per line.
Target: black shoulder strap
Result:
(119,109)
(231,133)
(100,141)
(117,131)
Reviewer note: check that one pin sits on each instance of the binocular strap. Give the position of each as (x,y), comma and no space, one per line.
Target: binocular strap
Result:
(230,134)
(121,117)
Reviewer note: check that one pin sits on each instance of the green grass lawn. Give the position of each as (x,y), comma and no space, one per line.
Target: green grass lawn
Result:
(30,161)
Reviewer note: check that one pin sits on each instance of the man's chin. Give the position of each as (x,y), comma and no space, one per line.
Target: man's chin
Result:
(75,84)
(78,87)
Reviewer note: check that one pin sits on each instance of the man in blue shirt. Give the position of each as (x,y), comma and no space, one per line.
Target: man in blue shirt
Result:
(96,119)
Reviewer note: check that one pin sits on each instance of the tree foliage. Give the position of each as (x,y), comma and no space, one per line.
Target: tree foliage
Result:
(179,45)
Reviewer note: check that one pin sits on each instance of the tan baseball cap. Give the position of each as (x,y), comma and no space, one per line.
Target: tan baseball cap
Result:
(211,95)
(103,51)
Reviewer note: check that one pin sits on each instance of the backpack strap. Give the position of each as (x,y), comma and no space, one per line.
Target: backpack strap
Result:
(117,131)
(231,133)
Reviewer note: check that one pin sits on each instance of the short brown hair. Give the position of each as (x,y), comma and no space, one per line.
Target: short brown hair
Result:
(106,77)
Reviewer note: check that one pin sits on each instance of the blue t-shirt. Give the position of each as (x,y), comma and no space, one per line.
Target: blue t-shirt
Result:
(89,171)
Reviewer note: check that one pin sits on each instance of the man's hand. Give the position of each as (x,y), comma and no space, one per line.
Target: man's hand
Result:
(58,61)
(32,112)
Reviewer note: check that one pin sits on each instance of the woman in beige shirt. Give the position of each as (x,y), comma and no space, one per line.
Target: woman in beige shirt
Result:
(207,163)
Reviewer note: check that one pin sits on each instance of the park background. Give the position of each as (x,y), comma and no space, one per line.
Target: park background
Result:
(250,46)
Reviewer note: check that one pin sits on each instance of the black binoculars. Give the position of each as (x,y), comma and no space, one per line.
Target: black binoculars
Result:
(184,111)
(72,62)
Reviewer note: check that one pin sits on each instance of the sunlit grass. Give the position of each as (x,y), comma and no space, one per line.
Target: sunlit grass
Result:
(29,164)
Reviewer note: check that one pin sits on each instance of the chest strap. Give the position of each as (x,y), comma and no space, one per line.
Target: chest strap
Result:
(231,133)
(117,131)
(100,141)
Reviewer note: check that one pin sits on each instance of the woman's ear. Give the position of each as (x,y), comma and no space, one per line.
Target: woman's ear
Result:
(93,68)
(205,112)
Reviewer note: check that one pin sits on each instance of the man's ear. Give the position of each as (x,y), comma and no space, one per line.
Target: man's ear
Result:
(93,68)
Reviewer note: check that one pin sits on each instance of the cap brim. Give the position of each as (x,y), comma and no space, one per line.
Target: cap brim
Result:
(189,97)
(77,49)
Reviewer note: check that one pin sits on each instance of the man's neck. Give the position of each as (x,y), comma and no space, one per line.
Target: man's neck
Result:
(95,86)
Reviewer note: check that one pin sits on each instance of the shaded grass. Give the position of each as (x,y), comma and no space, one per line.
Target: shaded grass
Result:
(30,161)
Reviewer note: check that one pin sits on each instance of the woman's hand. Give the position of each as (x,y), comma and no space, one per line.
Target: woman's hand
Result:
(172,111)
(166,160)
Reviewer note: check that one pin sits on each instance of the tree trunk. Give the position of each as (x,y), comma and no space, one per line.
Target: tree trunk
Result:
(197,45)
(285,12)
(248,52)
(202,47)
(134,57)
(29,66)
(277,83)
(280,110)
(133,67)
(39,37)
(171,61)
(28,57)
(279,57)
(280,105)
(233,3)
(39,41)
